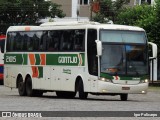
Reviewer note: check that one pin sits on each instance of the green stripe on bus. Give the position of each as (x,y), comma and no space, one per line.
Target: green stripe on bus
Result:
(40,69)
(17,59)
(13,59)
(106,76)
(83,58)
(65,59)
(143,77)
(51,59)
(25,59)
(37,57)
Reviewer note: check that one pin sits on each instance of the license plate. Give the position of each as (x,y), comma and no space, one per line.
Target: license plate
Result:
(125,88)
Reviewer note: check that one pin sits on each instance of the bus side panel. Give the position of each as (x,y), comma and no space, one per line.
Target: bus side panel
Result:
(7,80)
(44,81)
(10,76)
(55,78)
(69,75)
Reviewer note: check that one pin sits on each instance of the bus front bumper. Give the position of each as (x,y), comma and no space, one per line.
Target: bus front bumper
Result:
(109,87)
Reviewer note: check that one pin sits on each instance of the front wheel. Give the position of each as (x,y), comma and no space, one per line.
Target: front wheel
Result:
(124,97)
(82,94)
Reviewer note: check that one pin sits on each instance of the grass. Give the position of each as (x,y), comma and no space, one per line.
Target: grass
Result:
(157,88)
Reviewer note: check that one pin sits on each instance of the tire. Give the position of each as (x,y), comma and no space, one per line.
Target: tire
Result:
(124,97)
(64,94)
(29,89)
(82,94)
(21,87)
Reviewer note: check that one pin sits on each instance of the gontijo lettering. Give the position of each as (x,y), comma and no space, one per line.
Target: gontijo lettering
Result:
(67,59)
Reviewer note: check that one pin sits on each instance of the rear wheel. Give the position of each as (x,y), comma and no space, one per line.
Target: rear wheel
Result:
(82,94)
(124,97)
(21,87)
(29,90)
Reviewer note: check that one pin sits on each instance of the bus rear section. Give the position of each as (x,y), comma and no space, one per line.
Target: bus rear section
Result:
(2,42)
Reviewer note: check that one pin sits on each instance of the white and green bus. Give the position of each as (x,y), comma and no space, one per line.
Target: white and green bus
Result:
(71,57)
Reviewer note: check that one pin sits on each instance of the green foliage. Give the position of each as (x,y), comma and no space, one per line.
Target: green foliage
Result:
(145,16)
(20,12)
(108,10)
(131,16)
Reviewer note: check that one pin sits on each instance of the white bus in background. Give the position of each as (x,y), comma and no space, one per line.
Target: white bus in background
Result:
(71,57)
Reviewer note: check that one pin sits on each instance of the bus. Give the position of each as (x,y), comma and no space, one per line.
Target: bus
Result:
(2,42)
(77,57)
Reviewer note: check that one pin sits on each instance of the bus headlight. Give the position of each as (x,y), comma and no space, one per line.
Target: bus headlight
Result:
(105,79)
(144,81)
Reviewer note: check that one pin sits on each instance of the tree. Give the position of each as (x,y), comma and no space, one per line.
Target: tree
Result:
(132,16)
(20,12)
(108,10)
(145,16)
(141,15)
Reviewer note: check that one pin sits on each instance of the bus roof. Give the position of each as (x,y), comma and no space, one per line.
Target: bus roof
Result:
(69,23)
(74,25)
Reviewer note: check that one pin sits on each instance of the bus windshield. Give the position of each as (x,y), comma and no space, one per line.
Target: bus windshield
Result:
(124,58)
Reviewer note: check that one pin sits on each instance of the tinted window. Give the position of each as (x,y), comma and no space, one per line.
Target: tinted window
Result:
(57,40)
(122,36)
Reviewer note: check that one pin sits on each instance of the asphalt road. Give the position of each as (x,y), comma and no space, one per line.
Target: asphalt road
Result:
(11,101)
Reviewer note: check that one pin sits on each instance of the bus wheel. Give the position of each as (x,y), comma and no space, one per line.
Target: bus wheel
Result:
(21,87)
(29,89)
(124,97)
(82,94)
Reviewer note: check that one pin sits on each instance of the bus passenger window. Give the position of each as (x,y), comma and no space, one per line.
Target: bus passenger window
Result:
(10,42)
(50,43)
(30,44)
(57,37)
(35,42)
(25,39)
(64,41)
(79,40)
(18,42)
(44,40)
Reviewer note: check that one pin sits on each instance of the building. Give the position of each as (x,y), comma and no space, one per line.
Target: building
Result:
(139,2)
(70,7)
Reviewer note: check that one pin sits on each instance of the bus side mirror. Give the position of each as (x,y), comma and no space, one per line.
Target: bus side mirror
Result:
(154,50)
(99,47)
